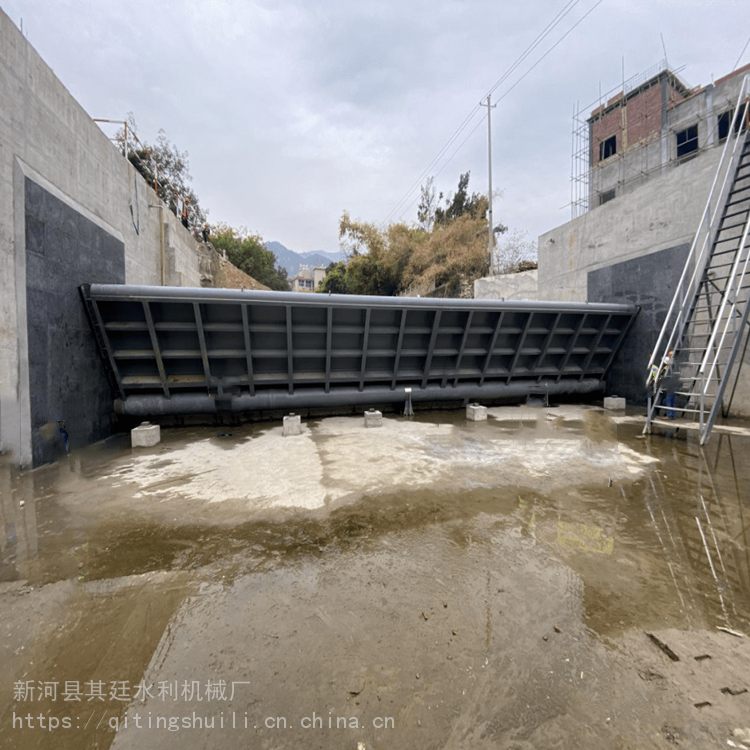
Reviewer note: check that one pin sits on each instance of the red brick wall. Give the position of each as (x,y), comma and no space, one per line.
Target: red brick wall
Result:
(635,124)
(607,126)
(643,117)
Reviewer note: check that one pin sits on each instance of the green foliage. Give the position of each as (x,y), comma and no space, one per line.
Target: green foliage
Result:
(247,252)
(427,205)
(446,249)
(166,169)
(515,253)
(448,246)
(335,280)
(462,204)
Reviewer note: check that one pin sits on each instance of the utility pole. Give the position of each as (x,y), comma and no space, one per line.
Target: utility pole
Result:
(491,238)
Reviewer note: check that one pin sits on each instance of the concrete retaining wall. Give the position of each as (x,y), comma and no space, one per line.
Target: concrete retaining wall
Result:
(661,213)
(72,210)
(633,249)
(523,285)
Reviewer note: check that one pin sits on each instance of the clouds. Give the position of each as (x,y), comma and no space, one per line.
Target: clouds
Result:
(294,111)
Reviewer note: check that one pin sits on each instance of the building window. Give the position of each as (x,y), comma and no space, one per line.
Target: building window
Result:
(606,196)
(607,148)
(687,141)
(722,124)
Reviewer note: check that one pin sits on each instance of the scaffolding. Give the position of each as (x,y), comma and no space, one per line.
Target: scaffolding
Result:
(582,152)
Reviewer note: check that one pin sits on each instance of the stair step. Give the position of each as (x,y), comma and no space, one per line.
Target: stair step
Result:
(727,264)
(736,213)
(725,252)
(732,226)
(683,410)
(728,239)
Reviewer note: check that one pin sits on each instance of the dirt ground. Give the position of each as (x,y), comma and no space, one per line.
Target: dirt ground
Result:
(547,578)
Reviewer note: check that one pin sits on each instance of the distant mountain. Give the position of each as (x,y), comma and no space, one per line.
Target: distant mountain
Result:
(292,261)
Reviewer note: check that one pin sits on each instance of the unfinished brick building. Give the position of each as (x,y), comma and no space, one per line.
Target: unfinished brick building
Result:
(654,123)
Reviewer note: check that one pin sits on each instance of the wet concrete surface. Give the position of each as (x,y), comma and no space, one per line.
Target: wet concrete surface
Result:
(434,583)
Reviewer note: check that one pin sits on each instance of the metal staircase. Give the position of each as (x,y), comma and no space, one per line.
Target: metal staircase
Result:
(707,321)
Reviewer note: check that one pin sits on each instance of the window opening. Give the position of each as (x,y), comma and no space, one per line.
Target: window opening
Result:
(606,196)
(740,121)
(687,141)
(607,148)
(722,124)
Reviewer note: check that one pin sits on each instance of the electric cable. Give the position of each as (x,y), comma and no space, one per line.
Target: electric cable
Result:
(540,37)
(741,53)
(467,121)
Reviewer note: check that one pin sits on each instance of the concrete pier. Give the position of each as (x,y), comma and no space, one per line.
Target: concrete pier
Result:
(476,413)
(145,435)
(292,425)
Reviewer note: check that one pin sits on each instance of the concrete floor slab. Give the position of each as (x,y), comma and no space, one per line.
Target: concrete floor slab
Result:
(479,585)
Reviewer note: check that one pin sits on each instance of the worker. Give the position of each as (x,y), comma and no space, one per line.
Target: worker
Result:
(669,383)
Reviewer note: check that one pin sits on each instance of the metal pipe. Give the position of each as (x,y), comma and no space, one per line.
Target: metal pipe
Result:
(157,293)
(195,403)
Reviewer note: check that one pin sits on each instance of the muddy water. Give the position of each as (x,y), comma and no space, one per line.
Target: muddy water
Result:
(478,585)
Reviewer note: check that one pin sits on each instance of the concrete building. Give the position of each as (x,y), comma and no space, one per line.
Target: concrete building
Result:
(72,210)
(652,154)
(308,279)
(656,123)
(644,162)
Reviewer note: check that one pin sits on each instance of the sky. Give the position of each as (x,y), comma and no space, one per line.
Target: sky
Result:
(293,112)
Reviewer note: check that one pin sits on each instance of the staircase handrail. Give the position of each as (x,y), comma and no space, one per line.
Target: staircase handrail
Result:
(738,281)
(707,227)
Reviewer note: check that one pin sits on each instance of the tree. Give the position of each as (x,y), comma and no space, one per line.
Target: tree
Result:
(376,258)
(453,253)
(335,280)
(166,169)
(248,252)
(427,205)
(516,253)
(461,203)
(443,251)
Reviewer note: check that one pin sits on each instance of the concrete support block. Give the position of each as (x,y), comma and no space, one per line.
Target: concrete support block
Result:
(373,418)
(476,413)
(292,425)
(614,402)
(145,435)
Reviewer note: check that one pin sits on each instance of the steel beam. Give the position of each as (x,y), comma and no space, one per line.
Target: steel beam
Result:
(289,351)
(155,345)
(595,346)
(572,346)
(514,362)
(248,350)
(266,346)
(461,350)
(431,347)
(202,342)
(545,348)
(365,337)
(491,347)
(329,344)
(397,356)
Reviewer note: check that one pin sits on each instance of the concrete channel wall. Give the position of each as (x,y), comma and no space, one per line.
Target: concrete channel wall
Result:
(72,211)
(523,285)
(633,249)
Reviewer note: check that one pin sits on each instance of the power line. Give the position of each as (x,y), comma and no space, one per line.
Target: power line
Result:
(580,20)
(741,53)
(540,37)
(567,8)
